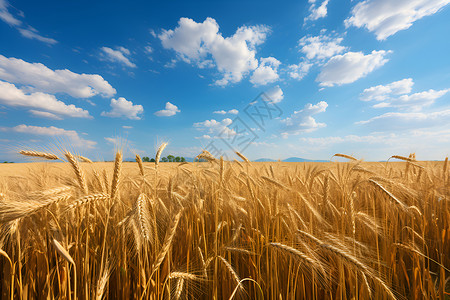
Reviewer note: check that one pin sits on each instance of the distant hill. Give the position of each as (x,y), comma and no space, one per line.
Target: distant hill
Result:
(265,160)
(298,159)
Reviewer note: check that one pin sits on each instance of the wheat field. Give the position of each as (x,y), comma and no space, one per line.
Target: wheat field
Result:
(224,229)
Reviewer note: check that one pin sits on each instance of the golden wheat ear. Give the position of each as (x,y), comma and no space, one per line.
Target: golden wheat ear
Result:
(79,173)
(158,154)
(45,155)
(242,156)
(344,156)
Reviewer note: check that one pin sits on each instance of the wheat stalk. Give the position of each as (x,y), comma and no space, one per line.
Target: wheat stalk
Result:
(45,155)
(84,159)
(141,166)
(78,172)
(87,199)
(344,156)
(116,174)
(158,154)
(402,158)
(143,217)
(167,242)
(242,157)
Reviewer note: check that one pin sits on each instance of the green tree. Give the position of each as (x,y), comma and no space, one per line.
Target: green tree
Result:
(164,159)
(177,159)
(152,160)
(170,158)
(182,159)
(145,159)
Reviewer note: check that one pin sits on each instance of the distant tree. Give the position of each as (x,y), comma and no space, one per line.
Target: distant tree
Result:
(182,159)
(152,160)
(170,158)
(177,159)
(145,159)
(164,159)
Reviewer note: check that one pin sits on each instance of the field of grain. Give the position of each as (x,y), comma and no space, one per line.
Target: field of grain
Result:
(225,230)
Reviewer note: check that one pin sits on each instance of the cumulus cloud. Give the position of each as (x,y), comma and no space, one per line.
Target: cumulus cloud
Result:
(321,46)
(317,12)
(26,31)
(415,101)
(383,92)
(52,131)
(266,71)
(44,114)
(275,94)
(349,67)
(203,45)
(405,121)
(302,121)
(387,17)
(214,127)
(12,96)
(117,56)
(223,112)
(300,70)
(122,108)
(396,93)
(38,77)
(170,110)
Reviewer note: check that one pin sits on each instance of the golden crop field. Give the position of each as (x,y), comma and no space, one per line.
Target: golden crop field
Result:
(225,230)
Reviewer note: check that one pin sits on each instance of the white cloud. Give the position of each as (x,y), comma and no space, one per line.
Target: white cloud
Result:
(223,112)
(388,95)
(118,56)
(386,17)
(383,92)
(170,110)
(203,45)
(321,46)
(204,137)
(317,12)
(127,127)
(216,127)
(6,16)
(275,95)
(52,131)
(33,34)
(28,32)
(122,108)
(148,49)
(37,77)
(300,70)
(12,96)
(44,114)
(220,112)
(349,67)
(114,141)
(415,101)
(266,72)
(393,121)
(302,121)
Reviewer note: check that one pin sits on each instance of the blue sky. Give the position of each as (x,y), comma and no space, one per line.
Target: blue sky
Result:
(368,78)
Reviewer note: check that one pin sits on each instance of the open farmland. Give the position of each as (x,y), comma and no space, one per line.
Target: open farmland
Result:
(221,230)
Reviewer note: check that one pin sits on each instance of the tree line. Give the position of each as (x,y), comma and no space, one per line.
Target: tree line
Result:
(169,158)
